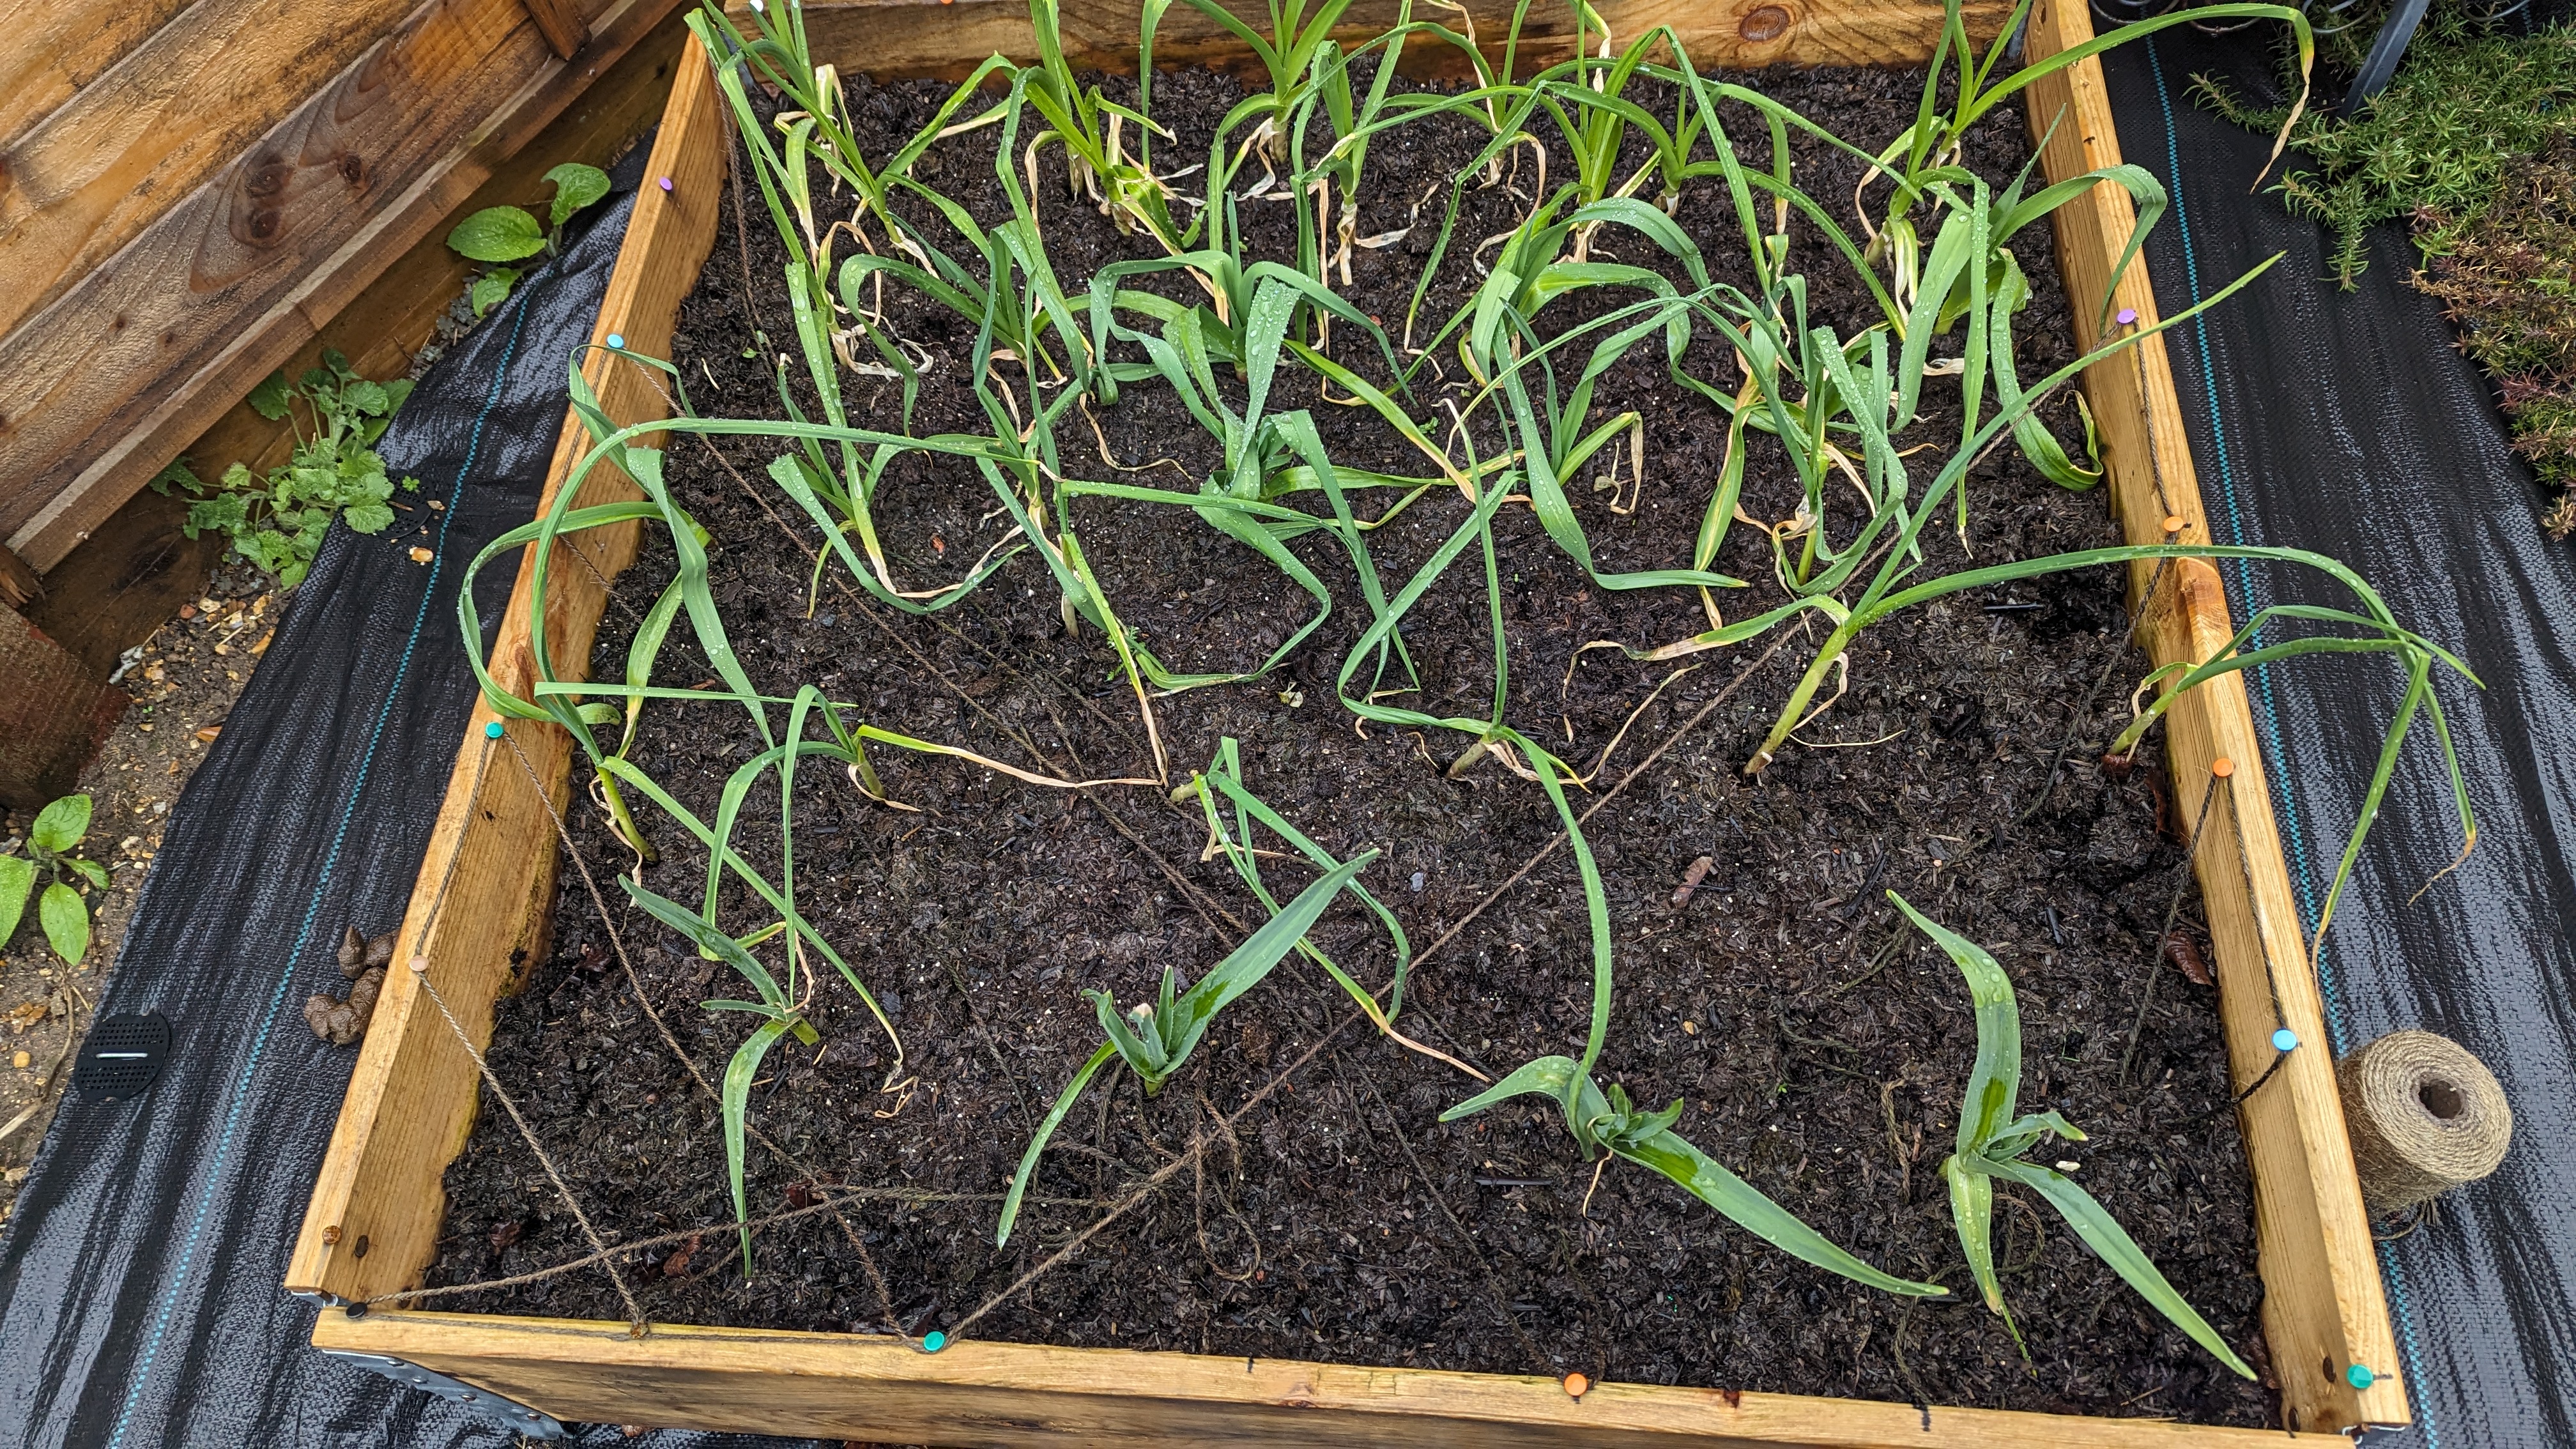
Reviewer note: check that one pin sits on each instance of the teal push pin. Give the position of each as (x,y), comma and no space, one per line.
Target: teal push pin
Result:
(492,730)
(2359,1377)
(934,1341)
(616,341)
(2285,1040)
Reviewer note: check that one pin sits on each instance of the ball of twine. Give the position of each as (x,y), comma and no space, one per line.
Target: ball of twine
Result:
(2425,1117)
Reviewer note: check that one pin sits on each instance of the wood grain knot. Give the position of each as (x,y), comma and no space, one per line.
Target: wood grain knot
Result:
(1765,23)
(267,175)
(353,168)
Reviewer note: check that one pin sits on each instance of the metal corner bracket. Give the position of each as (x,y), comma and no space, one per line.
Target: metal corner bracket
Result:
(500,1409)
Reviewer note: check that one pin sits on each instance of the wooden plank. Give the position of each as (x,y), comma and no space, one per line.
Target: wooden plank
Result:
(2324,1309)
(126,580)
(563,24)
(178,109)
(104,387)
(878,1389)
(19,584)
(373,1223)
(54,715)
(900,39)
(49,51)
(116,586)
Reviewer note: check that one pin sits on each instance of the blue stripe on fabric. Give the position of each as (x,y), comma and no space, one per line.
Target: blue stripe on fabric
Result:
(313,909)
(2300,877)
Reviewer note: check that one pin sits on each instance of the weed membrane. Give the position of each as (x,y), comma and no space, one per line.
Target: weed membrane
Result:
(2350,424)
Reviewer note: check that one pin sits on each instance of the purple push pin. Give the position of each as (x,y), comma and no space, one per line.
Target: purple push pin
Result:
(666,183)
(2127,314)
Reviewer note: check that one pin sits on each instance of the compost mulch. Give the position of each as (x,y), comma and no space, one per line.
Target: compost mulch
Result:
(1820,1048)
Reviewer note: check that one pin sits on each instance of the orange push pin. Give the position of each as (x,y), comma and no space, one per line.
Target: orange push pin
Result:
(2222,767)
(1576,1385)
(2174,523)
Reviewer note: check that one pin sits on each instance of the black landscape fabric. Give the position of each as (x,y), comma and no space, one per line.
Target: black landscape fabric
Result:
(2347,423)
(139,1279)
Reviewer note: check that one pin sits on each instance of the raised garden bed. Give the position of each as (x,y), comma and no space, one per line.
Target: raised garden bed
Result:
(482,920)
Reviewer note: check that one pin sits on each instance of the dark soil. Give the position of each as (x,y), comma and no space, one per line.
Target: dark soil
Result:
(1820,1048)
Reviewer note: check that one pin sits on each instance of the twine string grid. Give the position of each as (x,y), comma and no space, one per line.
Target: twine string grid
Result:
(605,1256)
(1189,1158)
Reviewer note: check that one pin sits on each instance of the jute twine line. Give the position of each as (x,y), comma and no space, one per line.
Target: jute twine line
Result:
(670,1041)
(605,1257)
(635,1320)
(2425,1116)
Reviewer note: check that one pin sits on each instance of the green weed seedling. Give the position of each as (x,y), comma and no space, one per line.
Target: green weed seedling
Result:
(499,234)
(60,910)
(277,519)
(1993,1139)
(1155,1039)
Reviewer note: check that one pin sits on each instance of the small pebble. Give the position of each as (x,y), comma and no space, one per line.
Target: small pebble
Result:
(1418,878)
(20,1060)
(421,555)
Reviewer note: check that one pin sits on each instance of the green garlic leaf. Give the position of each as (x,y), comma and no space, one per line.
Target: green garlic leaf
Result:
(497,234)
(2112,1244)
(1668,1153)
(1994,1086)
(736,1098)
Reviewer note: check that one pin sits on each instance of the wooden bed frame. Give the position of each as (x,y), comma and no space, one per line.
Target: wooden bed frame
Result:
(373,1223)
